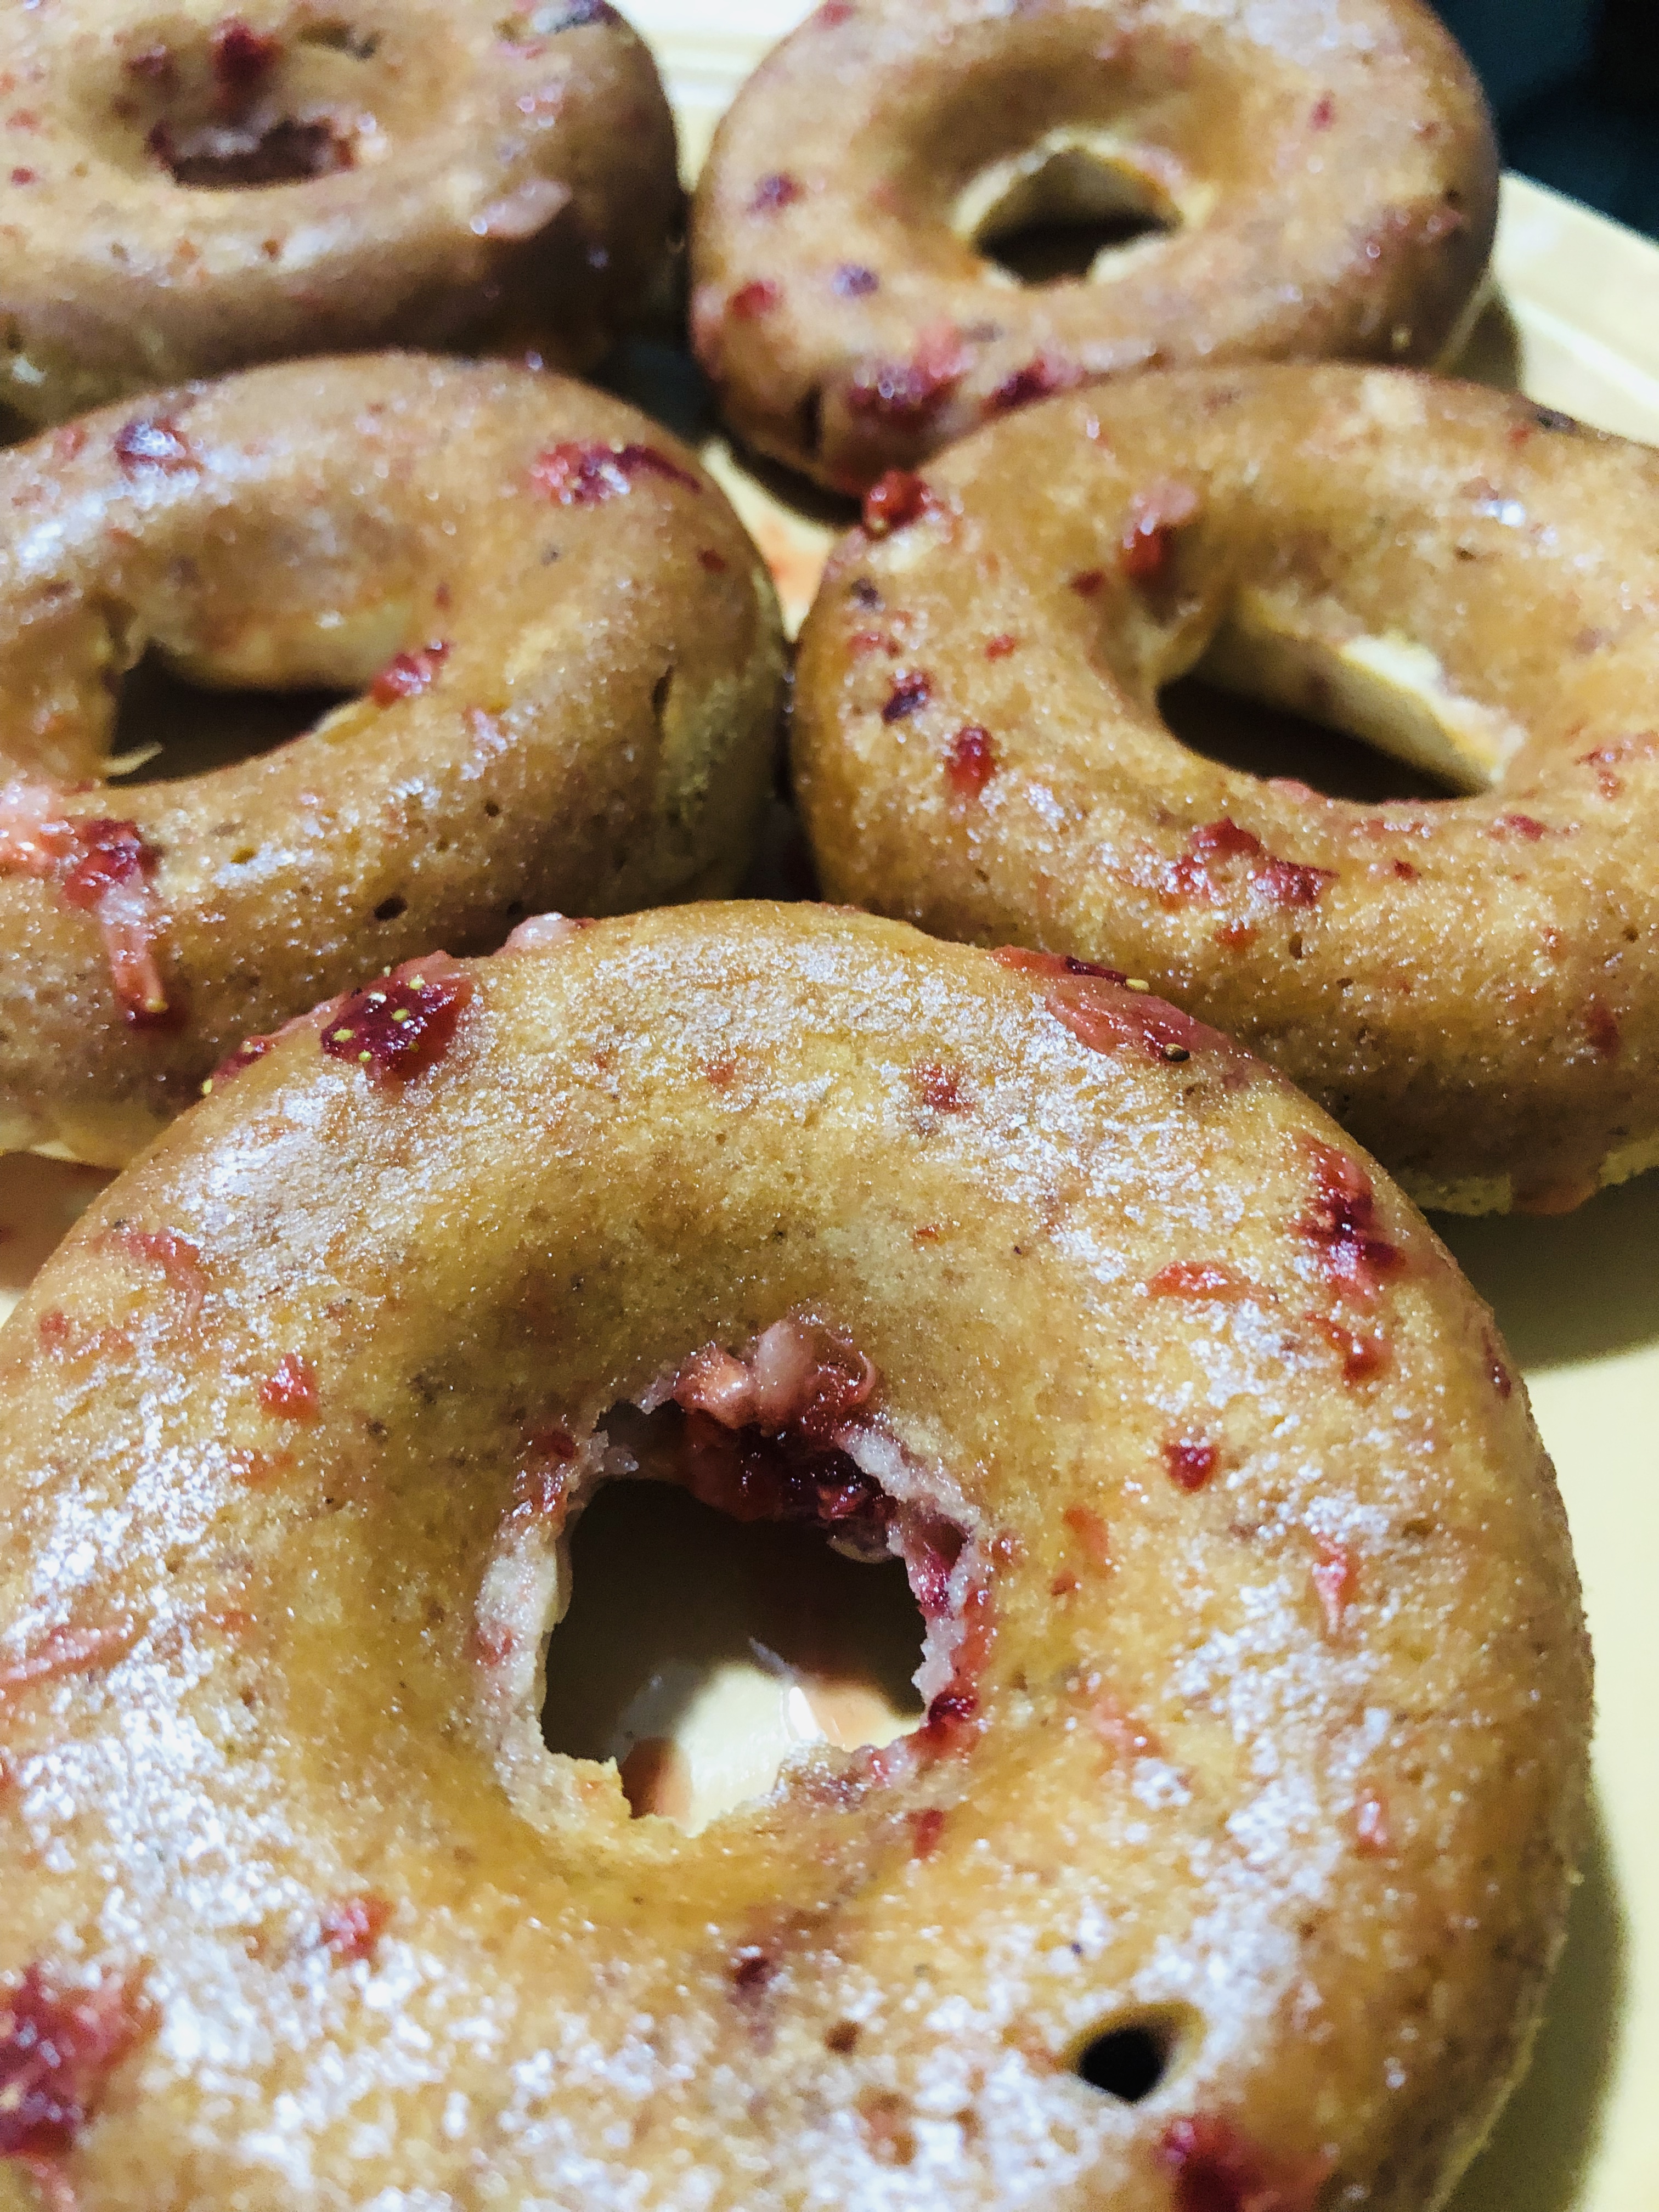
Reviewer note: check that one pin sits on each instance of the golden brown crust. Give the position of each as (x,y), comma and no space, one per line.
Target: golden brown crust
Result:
(1273,1733)
(1470,985)
(445,173)
(570,663)
(1327,168)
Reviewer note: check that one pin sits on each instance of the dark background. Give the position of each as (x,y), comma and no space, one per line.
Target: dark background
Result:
(1575,87)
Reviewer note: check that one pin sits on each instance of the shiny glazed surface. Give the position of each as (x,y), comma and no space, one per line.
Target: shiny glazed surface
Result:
(570,664)
(196,189)
(1469,984)
(1265,1694)
(1322,173)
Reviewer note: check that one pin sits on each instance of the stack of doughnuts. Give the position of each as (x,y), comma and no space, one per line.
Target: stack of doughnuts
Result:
(1224,1868)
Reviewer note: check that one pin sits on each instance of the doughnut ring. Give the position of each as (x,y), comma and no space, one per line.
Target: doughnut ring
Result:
(194,191)
(569,669)
(1469,984)
(1256,1688)
(1323,174)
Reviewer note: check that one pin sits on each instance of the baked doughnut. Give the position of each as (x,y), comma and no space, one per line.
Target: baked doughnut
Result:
(1257,1690)
(1469,984)
(1324,172)
(194,190)
(570,664)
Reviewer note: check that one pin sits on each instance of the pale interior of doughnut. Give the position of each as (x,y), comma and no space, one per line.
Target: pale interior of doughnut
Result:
(1389,691)
(1081,174)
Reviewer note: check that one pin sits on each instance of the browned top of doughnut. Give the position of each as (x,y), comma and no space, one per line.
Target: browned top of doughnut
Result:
(1327,165)
(193,189)
(1471,984)
(569,664)
(1259,1697)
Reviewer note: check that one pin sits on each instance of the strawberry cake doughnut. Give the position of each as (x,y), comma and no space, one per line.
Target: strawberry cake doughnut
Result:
(193,189)
(1225,1865)
(569,670)
(1323,176)
(1470,984)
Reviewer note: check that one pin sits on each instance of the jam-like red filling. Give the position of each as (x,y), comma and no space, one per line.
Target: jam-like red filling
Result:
(1336,1578)
(854,281)
(1038,380)
(403,1024)
(178,1259)
(1205,1280)
(409,674)
(153,444)
(752,301)
(907,395)
(785,1429)
(775,191)
(769,1435)
(1103,1010)
(1107,1019)
(241,59)
(101,867)
(899,498)
(1217,2168)
(1149,534)
(66,1648)
(290,1390)
(927,1826)
(1602,1028)
(938,1088)
(1340,1223)
(759,1433)
(1363,1358)
(1200,874)
(587,473)
(909,695)
(971,761)
(351,1927)
(57,2051)
(1053,963)
(1372,1832)
(1191,1461)
(1093,1537)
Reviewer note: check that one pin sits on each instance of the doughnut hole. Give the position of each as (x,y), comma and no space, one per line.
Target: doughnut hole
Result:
(1072,207)
(1133,2054)
(700,1651)
(167,728)
(239,104)
(1280,691)
(1237,732)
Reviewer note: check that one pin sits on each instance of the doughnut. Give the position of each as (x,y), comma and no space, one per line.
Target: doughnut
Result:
(567,668)
(194,191)
(1224,1865)
(1470,983)
(1320,177)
